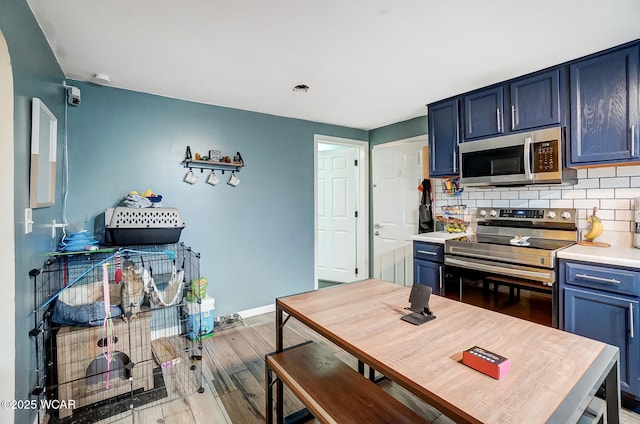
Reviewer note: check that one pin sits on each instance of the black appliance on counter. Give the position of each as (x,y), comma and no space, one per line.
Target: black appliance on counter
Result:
(510,264)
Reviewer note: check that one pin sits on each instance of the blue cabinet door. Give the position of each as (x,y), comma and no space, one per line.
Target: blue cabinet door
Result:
(604,108)
(429,274)
(535,101)
(444,136)
(484,113)
(609,319)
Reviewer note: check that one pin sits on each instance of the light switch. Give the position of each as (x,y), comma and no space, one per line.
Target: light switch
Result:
(28,220)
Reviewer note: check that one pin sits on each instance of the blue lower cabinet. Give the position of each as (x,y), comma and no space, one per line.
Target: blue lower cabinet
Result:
(428,265)
(428,273)
(611,319)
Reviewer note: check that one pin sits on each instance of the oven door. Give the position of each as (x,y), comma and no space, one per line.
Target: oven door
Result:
(522,291)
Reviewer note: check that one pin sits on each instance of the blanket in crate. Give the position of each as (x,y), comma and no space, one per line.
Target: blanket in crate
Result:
(84,305)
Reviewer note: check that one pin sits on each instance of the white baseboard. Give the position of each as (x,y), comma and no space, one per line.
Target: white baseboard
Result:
(258,311)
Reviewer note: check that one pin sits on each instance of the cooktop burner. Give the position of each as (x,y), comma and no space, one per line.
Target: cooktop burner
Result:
(509,240)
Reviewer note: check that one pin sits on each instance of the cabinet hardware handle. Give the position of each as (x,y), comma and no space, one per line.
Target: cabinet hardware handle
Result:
(527,158)
(498,119)
(455,165)
(513,117)
(631,320)
(441,278)
(424,252)
(601,279)
(633,141)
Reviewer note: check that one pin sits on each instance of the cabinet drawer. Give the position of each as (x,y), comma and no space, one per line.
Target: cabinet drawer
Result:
(428,251)
(603,278)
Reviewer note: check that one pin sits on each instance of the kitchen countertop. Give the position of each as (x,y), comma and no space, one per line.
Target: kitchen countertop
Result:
(614,255)
(439,236)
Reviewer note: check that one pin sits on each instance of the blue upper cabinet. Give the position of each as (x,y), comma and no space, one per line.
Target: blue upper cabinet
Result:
(444,124)
(484,113)
(536,101)
(522,104)
(604,108)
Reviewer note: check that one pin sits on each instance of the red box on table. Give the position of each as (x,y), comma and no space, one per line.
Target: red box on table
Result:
(486,362)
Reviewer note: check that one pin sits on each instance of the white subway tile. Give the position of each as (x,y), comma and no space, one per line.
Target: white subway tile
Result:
(618,182)
(476,195)
(635,182)
(608,214)
(600,193)
(574,194)
(628,171)
(582,173)
(628,193)
(551,194)
(624,215)
(500,204)
(518,204)
(602,172)
(587,204)
(539,203)
(509,195)
(587,183)
(615,225)
(529,194)
(561,203)
(616,203)
(492,195)
(483,203)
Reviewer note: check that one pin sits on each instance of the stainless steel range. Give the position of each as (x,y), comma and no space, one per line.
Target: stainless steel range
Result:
(512,256)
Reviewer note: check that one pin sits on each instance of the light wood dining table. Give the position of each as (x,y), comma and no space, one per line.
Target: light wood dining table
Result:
(554,374)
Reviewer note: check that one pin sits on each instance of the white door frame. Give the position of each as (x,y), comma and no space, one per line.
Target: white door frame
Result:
(362,205)
(7,233)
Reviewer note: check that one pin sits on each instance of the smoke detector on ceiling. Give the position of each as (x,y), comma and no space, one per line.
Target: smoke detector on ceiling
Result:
(301,88)
(102,79)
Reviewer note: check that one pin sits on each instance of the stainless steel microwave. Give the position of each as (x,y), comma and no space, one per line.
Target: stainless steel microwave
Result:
(534,157)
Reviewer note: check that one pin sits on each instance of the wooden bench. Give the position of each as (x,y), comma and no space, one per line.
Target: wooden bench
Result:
(331,391)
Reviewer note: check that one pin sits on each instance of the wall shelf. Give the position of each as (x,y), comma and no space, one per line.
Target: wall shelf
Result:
(207,164)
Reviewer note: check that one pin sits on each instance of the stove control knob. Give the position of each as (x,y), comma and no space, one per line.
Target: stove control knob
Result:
(565,215)
(493,213)
(482,212)
(551,215)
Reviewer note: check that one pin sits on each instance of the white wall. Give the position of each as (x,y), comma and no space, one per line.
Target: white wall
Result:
(610,189)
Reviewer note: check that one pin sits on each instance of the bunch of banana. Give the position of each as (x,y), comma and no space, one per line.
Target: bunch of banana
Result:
(596,226)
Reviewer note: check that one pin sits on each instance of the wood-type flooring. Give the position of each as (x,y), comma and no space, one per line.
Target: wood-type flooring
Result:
(233,374)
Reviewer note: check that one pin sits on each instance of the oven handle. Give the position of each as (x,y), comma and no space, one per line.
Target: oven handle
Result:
(516,272)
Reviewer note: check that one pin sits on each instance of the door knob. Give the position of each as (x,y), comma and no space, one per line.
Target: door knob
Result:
(377,233)
(377,226)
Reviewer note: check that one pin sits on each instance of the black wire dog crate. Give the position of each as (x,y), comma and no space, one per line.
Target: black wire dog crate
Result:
(114,330)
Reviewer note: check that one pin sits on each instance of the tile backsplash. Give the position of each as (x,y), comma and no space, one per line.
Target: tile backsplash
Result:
(611,189)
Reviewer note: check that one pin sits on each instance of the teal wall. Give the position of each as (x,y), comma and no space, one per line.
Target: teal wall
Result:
(36,73)
(256,240)
(399,131)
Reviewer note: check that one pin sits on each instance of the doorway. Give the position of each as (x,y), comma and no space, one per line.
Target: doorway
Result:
(397,170)
(341,210)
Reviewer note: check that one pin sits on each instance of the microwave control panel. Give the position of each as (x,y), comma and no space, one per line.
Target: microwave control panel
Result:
(545,156)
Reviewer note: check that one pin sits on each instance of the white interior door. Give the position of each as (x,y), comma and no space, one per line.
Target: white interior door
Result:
(396,173)
(337,222)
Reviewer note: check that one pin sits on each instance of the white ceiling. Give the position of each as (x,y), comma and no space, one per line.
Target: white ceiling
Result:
(369,63)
